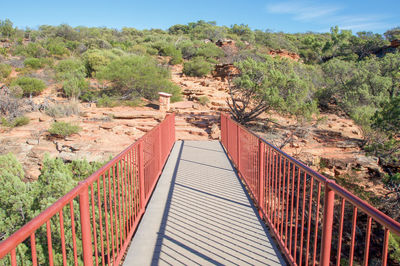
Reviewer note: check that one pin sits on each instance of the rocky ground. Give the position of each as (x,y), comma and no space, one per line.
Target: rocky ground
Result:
(329,143)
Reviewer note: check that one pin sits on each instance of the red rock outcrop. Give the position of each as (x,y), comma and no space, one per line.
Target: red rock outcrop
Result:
(285,54)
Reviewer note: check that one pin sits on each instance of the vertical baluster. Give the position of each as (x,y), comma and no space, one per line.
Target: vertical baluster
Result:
(49,243)
(309,218)
(33,250)
(292,208)
(71,209)
(385,247)
(326,241)
(64,252)
(302,218)
(316,224)
(297,214)
(261,151)
(339,250)
(94,225)
(85,226)
(367,241)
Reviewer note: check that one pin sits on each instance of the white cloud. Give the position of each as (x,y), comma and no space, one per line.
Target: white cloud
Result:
(302,10)
(327,15)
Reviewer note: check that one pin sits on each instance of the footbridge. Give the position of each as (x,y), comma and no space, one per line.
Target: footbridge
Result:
(237,201)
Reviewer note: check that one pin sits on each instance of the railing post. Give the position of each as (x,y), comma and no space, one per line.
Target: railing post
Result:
(159,148)
(326,240)
(85,225)
(173,128)
(141,176)
(261,164)
(238,146)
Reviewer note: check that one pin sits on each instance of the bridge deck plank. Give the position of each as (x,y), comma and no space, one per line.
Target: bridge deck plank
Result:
(201,214)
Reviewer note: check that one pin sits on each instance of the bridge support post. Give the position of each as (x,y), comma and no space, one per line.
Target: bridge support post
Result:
(261,164)
(85,224)
(326,241)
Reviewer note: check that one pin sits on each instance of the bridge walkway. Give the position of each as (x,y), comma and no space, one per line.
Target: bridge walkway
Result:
(201,214)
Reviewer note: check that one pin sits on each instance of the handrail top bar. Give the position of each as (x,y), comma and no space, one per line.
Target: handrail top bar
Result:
(370,210)
(30,227)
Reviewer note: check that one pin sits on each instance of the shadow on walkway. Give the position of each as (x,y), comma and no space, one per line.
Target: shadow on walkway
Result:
(201,214)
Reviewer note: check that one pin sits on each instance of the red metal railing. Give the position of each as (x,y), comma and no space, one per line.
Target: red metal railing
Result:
(314,220)
(94,222)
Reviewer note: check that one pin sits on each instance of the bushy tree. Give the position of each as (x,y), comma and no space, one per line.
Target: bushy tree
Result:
(30,50)
(388,118)
(94,60)
(170,50)
(393,34)
(33,63)
(272,83)
(30,86)
(5,71)
(74,85)
(243,31)
(138,76)
(72,72)
(15,197)
(188,49)
(197,67)
(6,28)
(70,65)
(209,50)
(385,142)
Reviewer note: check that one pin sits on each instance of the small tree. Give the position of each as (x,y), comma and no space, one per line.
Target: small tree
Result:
(6,28)
(197,67)
(30,86)
(274,83)
(33,63)
(138,76)
(5,71)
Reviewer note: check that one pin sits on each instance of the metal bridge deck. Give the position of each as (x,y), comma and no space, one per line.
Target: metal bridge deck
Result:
(200,213)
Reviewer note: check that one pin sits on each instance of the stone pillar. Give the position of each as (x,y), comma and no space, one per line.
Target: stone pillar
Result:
(164,101)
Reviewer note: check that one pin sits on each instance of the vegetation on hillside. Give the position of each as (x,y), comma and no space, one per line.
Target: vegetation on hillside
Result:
(22,201)
(357,75)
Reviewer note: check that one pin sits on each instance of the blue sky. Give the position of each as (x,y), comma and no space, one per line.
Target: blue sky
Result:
(286,16)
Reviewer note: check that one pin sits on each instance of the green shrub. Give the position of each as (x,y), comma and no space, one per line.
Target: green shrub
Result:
(3,51)
(106,101)
(70,66)
(151,51)
(33,49)
(73,86)
(139,76)
(95,60)
(34,63)
(176,55)
(394,247)
(197,67)
(5,71)
(21,121)
(57,48)
(210,50)
(64,129)
(16,122)
(203,100)
(30,86)
(188,49)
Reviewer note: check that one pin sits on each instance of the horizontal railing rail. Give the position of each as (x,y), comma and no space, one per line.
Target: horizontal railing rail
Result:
(314,220)
(94,222)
